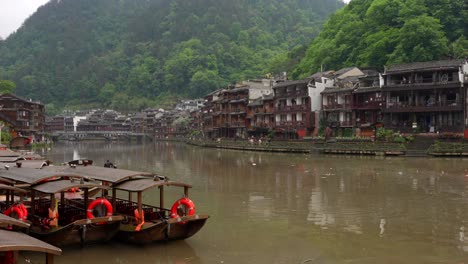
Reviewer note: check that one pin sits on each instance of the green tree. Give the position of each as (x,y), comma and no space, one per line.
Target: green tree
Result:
(7,86)
(106,93)
(420,39)
(459,48)
(204,81)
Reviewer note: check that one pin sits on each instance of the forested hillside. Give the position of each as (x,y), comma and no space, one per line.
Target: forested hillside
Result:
(381,32)
(130,54)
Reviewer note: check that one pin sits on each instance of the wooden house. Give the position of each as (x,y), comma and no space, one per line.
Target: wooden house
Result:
(425,96)
(261,116)
(368,102)
(54,123)
(337,99)
(207,114)
(317,84)
(234,101)
(24,117)
(293,116)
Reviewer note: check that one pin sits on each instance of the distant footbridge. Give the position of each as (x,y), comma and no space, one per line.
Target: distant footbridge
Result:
(101,135)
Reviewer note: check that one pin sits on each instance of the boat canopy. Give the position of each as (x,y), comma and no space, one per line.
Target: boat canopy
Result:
(57,186)
(3,180)
(33,176)
(16,241)
(33,164)
(107,174)
(6,221)
(9,153)
(11,188)
(139,185)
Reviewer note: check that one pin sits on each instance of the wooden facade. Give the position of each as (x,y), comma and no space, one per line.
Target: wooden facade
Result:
(415,97)
(425,97)
(24,117)
(54,123)
(293,115)
(368,101)
(261,116)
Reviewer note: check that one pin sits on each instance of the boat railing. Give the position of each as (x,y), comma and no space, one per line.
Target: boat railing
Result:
(75,202)
(152,213)
(41,207)
(68,213)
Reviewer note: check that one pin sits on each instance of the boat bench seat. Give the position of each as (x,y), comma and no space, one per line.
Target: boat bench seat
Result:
(70,214)
(128,208)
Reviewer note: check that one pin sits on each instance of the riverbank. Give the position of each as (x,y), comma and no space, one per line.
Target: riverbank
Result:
(307,146)
(419,147)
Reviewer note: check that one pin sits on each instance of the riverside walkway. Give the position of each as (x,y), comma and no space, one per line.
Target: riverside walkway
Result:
(306,146)
(420,147)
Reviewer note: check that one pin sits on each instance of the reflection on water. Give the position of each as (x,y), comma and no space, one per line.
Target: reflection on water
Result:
(287,208)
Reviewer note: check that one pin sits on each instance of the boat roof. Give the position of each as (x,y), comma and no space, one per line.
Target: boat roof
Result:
(16,241)
(139,185)
(64,185)
(6,181)
(34,164)
(9,153)
(10,159)
(11,188)
(5,220)
(107,174)
(33,176)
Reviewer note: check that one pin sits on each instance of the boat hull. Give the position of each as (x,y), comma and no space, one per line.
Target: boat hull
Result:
(80,232)
(171,229)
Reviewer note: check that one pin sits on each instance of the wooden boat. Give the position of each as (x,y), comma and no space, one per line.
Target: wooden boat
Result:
(9,156)
(9,195)
(58,216)
(11,242)
(147,223)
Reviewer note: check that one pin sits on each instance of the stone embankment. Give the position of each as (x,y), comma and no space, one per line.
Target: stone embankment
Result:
(306,146)
(420,147)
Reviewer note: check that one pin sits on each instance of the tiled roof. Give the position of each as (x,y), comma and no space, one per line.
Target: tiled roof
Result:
(427,65)
(290,83)
(344,70)
(319,75)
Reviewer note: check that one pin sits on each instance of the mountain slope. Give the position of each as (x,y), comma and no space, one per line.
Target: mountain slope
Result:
(380,32)
(130,53)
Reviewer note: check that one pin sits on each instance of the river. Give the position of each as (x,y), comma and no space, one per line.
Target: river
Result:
(293,208)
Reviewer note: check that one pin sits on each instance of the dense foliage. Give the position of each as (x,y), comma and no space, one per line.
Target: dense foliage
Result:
(381,32)
(130,54)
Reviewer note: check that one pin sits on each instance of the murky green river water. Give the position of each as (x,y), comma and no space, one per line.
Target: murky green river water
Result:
(288,208)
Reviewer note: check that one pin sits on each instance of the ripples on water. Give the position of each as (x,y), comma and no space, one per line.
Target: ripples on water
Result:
(287,208)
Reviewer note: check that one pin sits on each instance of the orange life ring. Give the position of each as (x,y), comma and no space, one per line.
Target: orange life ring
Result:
(15,209)
(73,190)
(99,201)
(184,201)
(140,219)
(25,211)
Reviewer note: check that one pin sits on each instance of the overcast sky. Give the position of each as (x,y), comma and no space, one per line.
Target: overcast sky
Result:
(14,12)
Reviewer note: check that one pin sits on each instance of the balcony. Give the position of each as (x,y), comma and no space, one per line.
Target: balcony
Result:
(289,94)
(292,108)
(292,124)
(426,84)
(446,106)
(346,106)
(369,105)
